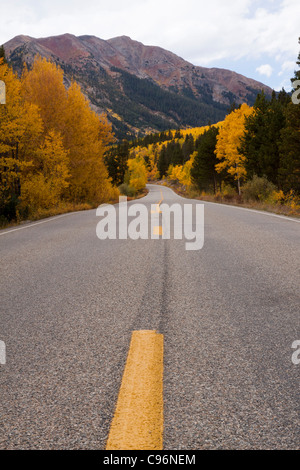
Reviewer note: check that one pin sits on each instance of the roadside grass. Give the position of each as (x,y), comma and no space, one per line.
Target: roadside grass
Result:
(62,208)
(138,195)
(233,199)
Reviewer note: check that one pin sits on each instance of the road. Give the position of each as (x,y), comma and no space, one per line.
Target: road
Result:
(229,314)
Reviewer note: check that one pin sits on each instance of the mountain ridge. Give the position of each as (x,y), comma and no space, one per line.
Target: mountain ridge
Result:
(141,88)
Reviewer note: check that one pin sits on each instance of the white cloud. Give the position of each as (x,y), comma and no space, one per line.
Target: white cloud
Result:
(287,66)
(265,69)
(205,33)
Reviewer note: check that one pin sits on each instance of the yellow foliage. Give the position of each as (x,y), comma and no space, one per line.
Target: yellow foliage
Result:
(137,173)
(20,132)
(174,172)
(43,186)
(153,172)
(51,142)
(43,86)
(290,199)
(86,137)
(20,123)
(182,173)
(197,131)
(150,155)
(228,141)
(185,176)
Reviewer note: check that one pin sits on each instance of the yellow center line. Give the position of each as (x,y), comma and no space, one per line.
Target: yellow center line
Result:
(157,230)
(158,204)
(162,198)
(138,420)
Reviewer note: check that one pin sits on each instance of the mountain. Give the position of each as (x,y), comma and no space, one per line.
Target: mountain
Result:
(141,88)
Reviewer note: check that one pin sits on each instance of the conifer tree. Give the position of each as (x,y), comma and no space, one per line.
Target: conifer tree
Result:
(203,171)
(289,171)
(2,55)
(163,162)
(260,143)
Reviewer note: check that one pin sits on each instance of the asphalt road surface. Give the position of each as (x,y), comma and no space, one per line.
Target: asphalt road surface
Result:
(229,314)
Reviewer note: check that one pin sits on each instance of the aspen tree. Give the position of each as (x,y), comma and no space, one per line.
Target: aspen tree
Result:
(228,142)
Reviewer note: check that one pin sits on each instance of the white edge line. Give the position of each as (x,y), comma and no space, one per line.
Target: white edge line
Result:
(199,201)
(186,199)
(58,217)
(249,210)
(39,223)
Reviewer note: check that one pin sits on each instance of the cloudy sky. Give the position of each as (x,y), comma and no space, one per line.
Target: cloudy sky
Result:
(256,38)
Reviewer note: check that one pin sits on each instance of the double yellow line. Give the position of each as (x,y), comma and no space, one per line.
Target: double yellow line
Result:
(138,420)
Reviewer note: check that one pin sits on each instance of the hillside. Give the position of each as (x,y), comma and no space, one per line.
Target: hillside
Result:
(141,88)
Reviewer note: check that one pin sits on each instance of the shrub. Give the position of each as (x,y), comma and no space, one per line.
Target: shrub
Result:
(257,189)
(127,190)
(290,199)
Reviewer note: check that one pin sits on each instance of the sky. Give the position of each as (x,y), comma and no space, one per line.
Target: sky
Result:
(256,38)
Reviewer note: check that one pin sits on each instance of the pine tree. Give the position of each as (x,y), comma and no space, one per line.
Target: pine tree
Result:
(187,147)
(163,162)
(260,143)
(297,72)
(2,55)
(203,171)
(116,160)
(289,170)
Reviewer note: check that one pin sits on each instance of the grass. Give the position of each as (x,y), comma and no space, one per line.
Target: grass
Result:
(139,195)
(62,208)
(234,200)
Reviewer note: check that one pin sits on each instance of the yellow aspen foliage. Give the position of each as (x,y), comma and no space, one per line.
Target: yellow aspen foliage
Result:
(153,157)
(150,156)
(51,143)
(11,115)
(86,136)
(43,86)
(137,173)
(139,152)
(174,172)
(105,133)
(153,173)
(182,173)
(228,142)
(20,133)
(20,123)
(44,183)
(185,176)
